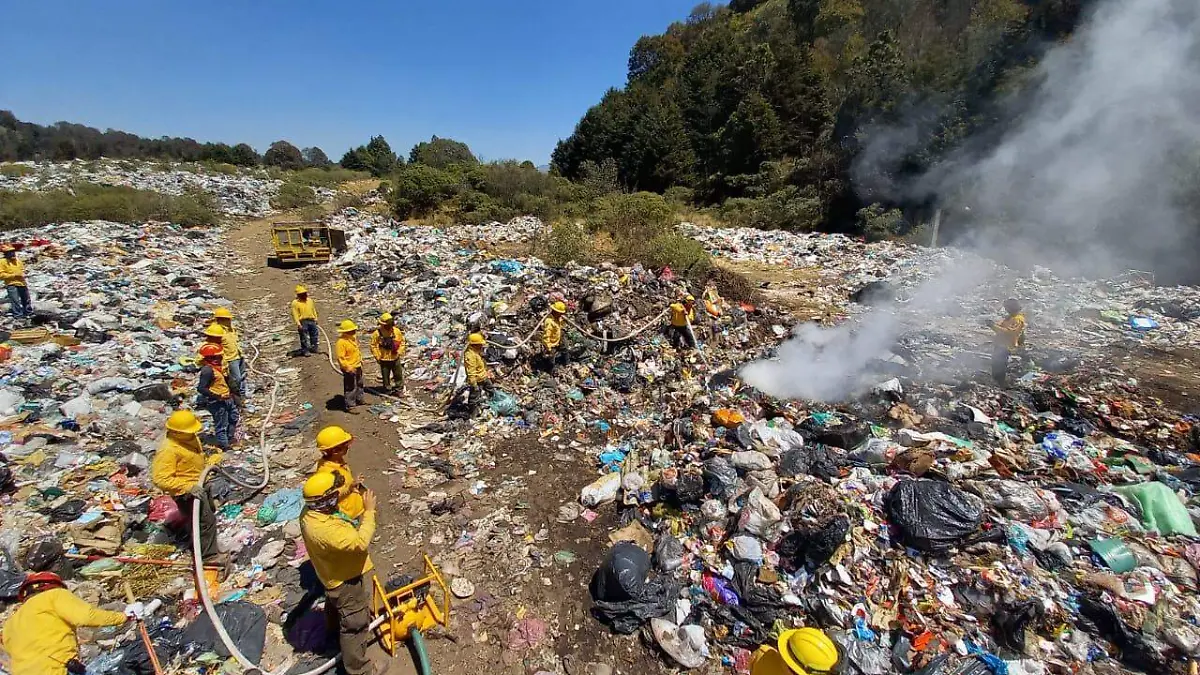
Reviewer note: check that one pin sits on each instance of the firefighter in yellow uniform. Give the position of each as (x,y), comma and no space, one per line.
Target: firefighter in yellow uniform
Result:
(338,549)
(349,358)
(800,651)
(334,444)
(682,317)
(40,636)
(235,363)
(12,272)
(176,470)
(479,381)
(388,346)
(304,315)
(553,350)
(1009,335)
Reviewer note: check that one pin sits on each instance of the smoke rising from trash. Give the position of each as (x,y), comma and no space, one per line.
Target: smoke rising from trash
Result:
(1087,181)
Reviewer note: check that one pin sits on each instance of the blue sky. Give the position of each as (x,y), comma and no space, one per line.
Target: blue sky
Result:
(508,77)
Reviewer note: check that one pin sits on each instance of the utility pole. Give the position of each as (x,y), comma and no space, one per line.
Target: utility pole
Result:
(937,223)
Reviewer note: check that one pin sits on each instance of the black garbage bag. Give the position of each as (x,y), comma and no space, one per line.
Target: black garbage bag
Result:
(1010,621)
(933,516)
(43,556)
(812,546)
(813,460)
(689,489)
(8,482)
(668,553)
(720,478)
(844,436)
(10,583)
(67,511)
(1099,618)
(153,392)
(245,622)
(742,436)
(623,595)
(167,643)
(951,664)
(624,377)
(764,602)
(874,293)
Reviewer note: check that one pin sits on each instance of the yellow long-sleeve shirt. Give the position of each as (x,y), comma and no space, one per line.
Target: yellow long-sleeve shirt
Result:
(476,367)
(350,503)
(349,356)
(177,464)
(12,272)
(393,354)
(304,310)
(40,636)
(681,315)
(337,549)
(229,344)
(552,332)
(1010,333)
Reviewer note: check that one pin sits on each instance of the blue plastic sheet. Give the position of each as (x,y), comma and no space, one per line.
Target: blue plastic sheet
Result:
(287,503)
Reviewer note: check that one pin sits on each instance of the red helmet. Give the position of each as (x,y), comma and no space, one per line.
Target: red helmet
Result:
(37,582)
(210,350)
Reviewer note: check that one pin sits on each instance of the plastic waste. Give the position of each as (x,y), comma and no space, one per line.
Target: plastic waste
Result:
(1115,554)
(1011,621)
(668,552)
(504,404)
(747,548)
(720,478)
(750,460)
(601,491)
(931,515)
(623,595)
(760,516)
(1161,509)
(44,555)
(812,546)
(686,644)
(245,622)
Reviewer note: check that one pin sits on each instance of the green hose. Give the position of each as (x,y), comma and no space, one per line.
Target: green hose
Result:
(417,646)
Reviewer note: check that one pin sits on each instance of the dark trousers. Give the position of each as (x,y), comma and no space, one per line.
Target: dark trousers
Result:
(478,393)
(682,337)
(208,523)
(237,375)
(1000,356)
(352,388)
(225,420)
(308,336)
(348,607)
(392,371)
(18,297)
(549,359)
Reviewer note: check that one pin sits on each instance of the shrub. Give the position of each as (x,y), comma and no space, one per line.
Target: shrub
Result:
(680,196)
(220,167)
(293,195)
(640,216)
(346,200)
(877,223)
(104,202)
(16,170)
(328,177)
(418,190)
(566,242)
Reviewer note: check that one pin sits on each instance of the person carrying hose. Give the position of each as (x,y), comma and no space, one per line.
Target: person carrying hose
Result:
(479,381)
(235,363)
(40,636)
(682,316)
(349,358)
(217,396)
(553,349)
(339,553)
(1009,335)
(334,444)
(176,470)
(304,314)
(388,346)
(12,271)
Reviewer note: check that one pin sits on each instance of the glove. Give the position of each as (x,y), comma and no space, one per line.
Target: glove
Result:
(135,611)
(215,458)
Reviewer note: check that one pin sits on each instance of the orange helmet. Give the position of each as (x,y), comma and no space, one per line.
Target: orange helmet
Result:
(38,582)
(210,350)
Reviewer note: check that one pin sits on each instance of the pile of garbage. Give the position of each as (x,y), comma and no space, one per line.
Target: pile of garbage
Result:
(242,194)
(84,394)
(943,526)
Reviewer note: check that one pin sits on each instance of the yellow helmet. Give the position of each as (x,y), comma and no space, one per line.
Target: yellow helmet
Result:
(476,339)
(184,422)
(214,330)
(222,313)
(332,436)
(807,650)
(386,318)
(319,485)
(346,326)
(690,298)
(300,289)
(559,306)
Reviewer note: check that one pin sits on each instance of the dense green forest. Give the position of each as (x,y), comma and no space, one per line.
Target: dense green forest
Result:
(762,107)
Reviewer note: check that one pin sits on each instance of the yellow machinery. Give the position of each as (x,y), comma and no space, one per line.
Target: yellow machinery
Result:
(298,242)
(411,610)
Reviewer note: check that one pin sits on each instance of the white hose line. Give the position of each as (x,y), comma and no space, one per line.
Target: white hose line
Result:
(649,324)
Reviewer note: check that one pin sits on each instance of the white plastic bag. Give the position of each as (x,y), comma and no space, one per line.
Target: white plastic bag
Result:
(602,491)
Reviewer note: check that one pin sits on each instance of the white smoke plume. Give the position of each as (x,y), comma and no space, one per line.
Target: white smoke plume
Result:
(1085,181)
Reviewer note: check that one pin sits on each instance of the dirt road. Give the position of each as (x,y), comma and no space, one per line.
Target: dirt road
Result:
(547,603)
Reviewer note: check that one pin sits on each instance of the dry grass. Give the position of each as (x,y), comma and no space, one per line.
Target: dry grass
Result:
(796,290)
